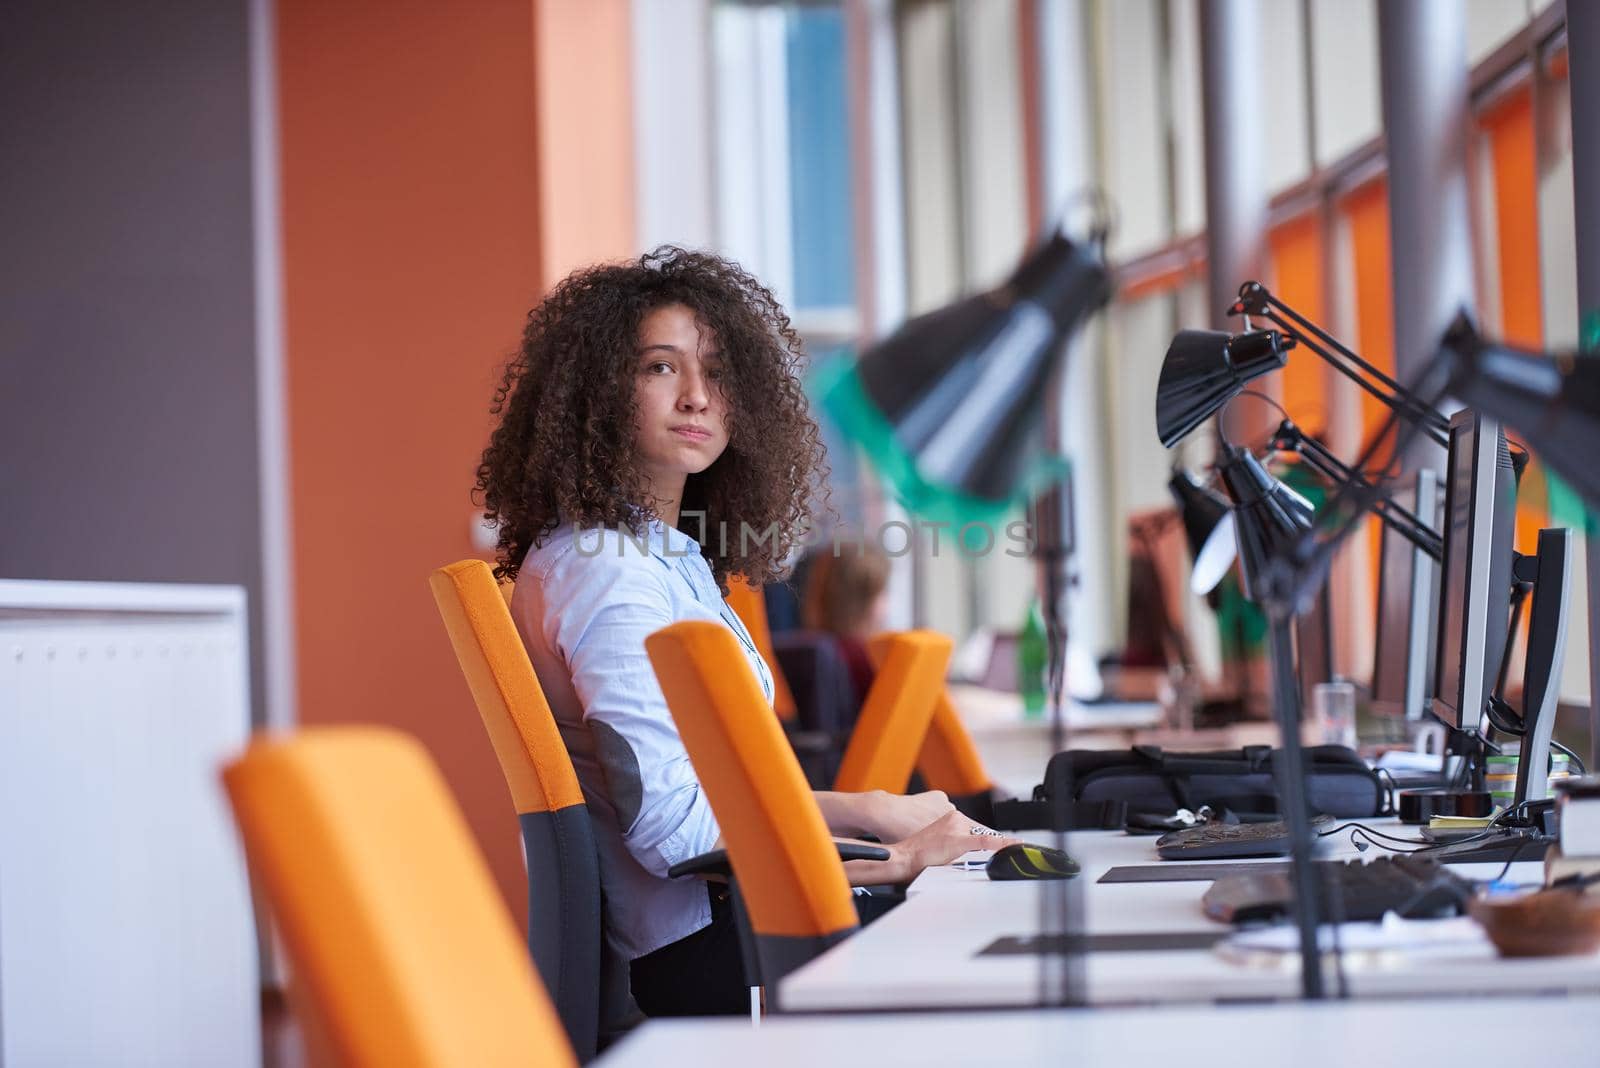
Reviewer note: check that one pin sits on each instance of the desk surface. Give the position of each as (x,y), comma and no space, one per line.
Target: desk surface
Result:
(1332,1034)
(924,954)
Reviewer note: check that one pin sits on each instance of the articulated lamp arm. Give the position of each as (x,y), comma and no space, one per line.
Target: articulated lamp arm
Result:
(1290,438)
(1256,300)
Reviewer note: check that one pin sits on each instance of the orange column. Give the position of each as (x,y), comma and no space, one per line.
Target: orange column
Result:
(1367,211)
(1296,249)
(1516,202)
(584,104)
(427,175)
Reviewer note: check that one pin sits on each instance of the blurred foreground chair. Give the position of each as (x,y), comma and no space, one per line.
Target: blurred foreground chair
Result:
(790,883)
(565,923)
(401,948)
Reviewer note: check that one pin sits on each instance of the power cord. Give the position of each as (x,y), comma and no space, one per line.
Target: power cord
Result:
(1577,761)
(1369,837)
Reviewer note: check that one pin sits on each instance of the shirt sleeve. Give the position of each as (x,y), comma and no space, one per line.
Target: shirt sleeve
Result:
(612,600)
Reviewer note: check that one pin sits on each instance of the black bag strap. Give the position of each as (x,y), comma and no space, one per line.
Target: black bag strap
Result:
(1060,815)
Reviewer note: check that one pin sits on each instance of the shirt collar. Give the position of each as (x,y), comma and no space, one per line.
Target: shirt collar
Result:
(670,543)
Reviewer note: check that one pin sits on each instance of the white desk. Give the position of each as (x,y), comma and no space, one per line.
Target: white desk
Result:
(924,954)
(1330,1035)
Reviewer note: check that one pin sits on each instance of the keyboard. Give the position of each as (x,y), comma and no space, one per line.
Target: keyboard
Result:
(1352,890)
(1219,841)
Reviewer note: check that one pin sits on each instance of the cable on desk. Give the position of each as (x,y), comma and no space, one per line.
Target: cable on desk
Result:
(1356,827)
(1512,859)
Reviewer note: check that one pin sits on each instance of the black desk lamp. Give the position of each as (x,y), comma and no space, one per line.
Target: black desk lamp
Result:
(1207,519)
(1268,515)
(950,408)
(1551,400)
(1205,369)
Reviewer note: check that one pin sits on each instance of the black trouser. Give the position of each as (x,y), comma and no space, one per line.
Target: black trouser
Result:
(703,974)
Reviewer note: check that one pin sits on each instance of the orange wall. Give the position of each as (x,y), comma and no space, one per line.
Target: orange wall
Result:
(415,222)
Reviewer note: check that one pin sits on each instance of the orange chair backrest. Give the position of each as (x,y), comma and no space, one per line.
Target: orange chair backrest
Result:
(782,854)
(508,695)
(949,761)
(750,606)
(395,931)
(894,718)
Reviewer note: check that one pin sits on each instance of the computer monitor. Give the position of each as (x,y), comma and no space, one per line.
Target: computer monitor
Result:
(1408,601)
(1480,501)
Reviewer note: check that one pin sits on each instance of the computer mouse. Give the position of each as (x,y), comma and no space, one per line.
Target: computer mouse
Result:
(1022,860)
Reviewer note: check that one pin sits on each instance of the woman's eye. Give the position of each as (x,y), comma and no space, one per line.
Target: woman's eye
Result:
(659,368)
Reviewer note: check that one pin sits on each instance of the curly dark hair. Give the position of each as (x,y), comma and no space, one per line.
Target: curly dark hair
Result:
(564,446)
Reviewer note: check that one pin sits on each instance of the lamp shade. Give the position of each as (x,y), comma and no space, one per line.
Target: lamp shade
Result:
(1552,402)
(1205,369)
(950,407)
(1208,527)
(1268,516)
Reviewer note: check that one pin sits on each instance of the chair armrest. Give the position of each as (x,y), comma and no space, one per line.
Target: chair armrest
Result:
(716,861)
(861,851)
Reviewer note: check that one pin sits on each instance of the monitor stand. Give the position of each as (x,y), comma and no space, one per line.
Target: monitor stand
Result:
(1528,834)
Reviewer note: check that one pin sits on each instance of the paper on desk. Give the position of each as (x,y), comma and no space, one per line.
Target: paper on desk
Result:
(973,858)
(1459,823)
(1370,943)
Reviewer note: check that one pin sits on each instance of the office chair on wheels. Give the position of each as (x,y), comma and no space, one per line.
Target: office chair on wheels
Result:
(565,923)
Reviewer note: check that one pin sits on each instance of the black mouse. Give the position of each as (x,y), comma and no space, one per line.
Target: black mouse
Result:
(1023,860)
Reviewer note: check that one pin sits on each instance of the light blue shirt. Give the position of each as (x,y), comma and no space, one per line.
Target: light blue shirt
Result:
(585,602)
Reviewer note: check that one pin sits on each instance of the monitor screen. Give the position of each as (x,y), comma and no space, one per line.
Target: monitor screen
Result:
(1408,592)
(1475,592)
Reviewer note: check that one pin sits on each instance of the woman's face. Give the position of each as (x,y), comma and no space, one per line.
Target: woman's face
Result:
(682,413)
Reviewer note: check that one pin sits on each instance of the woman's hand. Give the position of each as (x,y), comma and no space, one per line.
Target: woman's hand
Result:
(940,842)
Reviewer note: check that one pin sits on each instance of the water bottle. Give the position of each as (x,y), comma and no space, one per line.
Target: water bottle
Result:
(1033,658)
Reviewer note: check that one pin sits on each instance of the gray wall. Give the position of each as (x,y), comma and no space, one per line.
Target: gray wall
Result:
(127,371)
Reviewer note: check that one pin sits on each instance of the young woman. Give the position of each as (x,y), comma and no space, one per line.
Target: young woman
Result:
(653,440)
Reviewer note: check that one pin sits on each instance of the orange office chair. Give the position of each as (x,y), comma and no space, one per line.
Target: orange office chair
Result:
(786,864)
(564,918)
(894,718)
(403,954)
(750,606)
(950,762)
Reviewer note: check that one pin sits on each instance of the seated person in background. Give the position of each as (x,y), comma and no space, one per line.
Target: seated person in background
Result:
(652,417)
(846,596)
